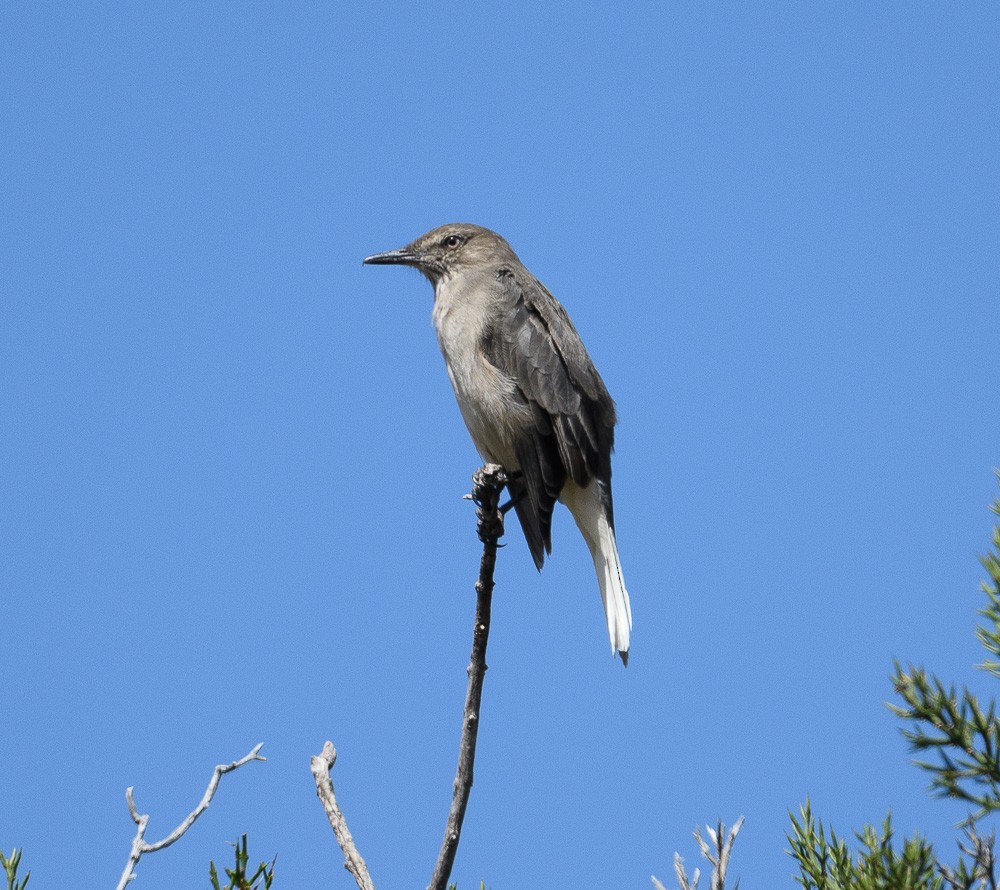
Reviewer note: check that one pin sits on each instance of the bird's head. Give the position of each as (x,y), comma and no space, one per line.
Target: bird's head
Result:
(449,249)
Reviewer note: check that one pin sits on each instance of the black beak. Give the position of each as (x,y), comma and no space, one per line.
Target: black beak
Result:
(401,257)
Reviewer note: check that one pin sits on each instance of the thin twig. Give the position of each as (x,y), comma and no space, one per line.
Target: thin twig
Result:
(322,764)
(682,878)
(487,485)
(718,857)
(723,848)
(139,845)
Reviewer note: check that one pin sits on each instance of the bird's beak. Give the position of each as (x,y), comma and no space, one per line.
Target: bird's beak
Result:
(402,257)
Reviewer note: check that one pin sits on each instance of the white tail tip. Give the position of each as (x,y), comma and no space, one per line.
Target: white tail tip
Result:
(592,519)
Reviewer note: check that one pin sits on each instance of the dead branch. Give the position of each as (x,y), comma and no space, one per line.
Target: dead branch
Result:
(322,764)
(487,485)
(139,845)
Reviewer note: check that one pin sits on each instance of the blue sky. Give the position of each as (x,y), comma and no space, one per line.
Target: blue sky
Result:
(232,465)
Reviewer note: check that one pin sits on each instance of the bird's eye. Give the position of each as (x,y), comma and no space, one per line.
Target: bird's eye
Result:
(452,241)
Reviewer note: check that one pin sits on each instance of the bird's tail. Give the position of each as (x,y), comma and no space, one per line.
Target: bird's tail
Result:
(592,517)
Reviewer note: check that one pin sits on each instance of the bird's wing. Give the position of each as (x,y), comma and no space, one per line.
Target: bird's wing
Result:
(536,344)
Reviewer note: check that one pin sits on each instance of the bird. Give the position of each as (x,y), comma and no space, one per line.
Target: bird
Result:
(529,393)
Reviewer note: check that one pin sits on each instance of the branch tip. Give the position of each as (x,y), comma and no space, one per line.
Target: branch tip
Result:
(322,765)
(139,844)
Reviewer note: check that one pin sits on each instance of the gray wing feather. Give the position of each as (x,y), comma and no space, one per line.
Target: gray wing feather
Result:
(572,434)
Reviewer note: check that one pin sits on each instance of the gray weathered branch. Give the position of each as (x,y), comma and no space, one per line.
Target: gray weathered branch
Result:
(717,854)
(139,845)
(322,764)
(487,485)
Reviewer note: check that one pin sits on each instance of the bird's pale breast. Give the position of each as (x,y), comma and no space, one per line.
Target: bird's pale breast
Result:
(485,394)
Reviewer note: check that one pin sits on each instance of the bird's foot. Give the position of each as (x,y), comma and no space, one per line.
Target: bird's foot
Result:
(487,485)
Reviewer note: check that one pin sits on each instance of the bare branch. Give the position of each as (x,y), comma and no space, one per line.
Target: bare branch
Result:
(322,764)
(723,847)
(717,854)
(487,485)
(682,878)
(139,845)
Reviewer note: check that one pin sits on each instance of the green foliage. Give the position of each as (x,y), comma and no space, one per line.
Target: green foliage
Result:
(989,636)
(964,737)
(10,867)
(828,864)
(963,734)
(238,880)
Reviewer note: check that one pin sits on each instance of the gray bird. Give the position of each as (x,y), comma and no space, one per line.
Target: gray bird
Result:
(529,393)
